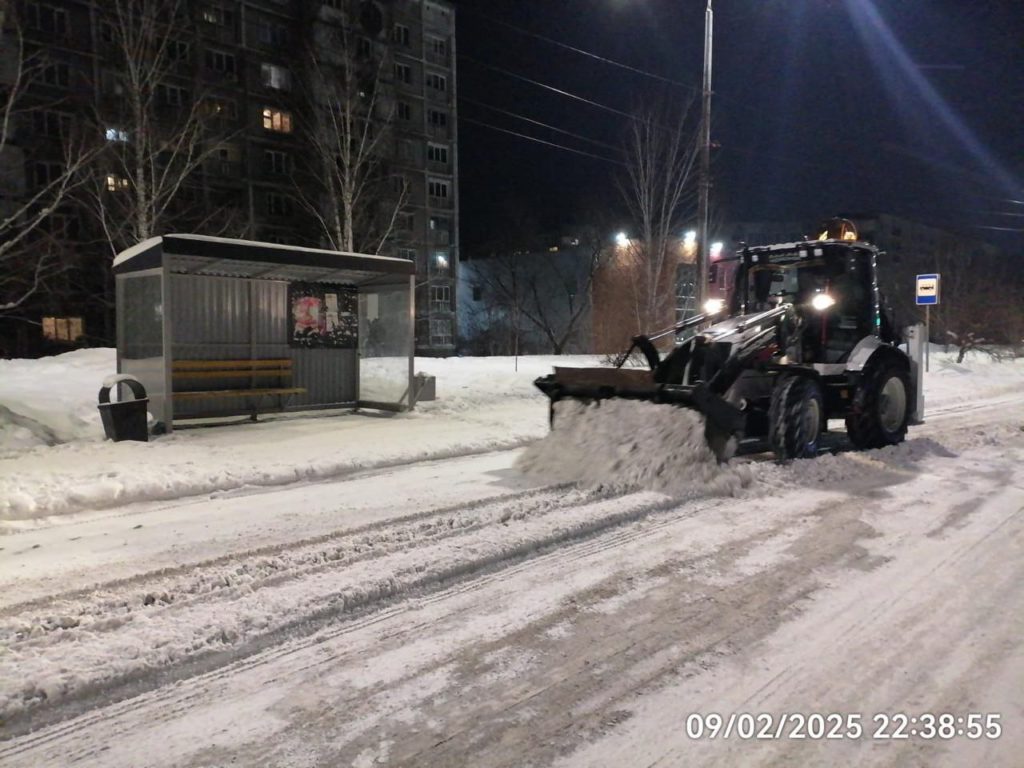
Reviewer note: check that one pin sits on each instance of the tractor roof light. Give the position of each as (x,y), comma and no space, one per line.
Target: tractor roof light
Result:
(713,306)
(822,301)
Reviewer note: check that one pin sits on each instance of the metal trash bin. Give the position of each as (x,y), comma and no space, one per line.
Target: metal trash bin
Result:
(425,387)
(128,419)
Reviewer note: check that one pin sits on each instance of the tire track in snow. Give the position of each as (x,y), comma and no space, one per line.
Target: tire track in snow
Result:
(175,644)
(587,546)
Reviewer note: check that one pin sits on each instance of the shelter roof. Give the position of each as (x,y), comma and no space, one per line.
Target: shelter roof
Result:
(227,257)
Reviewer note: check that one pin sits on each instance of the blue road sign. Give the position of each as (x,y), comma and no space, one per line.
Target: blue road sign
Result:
(928,289)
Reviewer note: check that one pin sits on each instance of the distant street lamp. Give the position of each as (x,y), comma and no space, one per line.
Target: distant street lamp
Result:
(704,190)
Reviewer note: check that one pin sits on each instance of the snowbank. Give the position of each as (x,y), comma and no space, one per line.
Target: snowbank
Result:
(54,461)
(632,445)
(52,400)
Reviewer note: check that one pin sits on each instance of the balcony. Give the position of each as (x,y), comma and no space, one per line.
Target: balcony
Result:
(440,59)
(438,131)
(223,169)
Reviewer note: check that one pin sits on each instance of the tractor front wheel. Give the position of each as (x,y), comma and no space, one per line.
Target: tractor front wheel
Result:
(881,407)
(796,417)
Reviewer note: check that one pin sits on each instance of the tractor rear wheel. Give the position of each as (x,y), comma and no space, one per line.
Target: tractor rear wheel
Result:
(881,406)
(796,417)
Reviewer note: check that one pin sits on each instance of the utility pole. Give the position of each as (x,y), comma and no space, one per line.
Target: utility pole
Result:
(704,192)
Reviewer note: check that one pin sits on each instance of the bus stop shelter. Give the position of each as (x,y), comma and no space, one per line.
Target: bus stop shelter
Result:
(217,327)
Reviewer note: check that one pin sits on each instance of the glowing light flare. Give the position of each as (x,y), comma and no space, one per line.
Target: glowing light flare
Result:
(879,39)
(822,301)
(622,239)
(713,306)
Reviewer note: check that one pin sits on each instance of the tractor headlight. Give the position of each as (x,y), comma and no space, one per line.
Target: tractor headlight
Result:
(713,306)
(822,301)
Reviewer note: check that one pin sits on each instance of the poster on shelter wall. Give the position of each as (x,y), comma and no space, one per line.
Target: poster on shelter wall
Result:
(323,316)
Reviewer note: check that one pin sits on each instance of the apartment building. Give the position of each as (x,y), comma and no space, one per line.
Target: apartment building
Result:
(249,60)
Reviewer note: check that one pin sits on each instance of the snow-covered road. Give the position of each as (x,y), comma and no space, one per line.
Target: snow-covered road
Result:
(452,612)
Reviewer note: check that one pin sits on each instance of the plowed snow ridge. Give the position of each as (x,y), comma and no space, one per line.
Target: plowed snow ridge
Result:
(630,445)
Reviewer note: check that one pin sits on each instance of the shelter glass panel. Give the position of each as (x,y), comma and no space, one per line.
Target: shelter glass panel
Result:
(385,345)
(140,322)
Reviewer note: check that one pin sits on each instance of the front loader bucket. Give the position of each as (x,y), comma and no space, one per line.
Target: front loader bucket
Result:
(723,421)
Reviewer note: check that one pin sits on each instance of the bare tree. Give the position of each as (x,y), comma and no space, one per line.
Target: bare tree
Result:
(546,293)
(660,192)
(157,135)
(349,123)
(29,251)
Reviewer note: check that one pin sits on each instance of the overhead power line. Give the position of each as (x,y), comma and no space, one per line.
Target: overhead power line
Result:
(589,54)
(526,119)
(547,87)
(540,141)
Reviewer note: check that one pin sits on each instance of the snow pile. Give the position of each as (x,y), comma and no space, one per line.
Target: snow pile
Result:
(54,461)
(630,445)
(52,400)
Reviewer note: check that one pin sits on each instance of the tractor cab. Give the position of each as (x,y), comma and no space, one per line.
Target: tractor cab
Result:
(830,285)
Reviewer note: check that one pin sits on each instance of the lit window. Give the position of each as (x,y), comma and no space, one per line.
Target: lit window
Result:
(116,183)
(441,262)
(277,120)
(276,77)
(215,15)
(63,328)
(116,134)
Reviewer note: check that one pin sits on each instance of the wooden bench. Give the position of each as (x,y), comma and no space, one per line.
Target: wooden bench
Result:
(251,370)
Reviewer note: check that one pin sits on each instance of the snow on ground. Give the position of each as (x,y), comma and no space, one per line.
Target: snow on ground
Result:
(483,404)
(353,589)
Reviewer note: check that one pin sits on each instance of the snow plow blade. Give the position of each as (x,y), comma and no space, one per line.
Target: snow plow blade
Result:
(723,420)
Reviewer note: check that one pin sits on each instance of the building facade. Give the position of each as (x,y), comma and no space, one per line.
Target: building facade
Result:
(245,64)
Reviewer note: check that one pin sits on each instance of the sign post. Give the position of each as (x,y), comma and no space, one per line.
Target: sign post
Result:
(927,296)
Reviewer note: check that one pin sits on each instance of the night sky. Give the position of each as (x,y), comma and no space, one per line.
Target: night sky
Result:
(912,107)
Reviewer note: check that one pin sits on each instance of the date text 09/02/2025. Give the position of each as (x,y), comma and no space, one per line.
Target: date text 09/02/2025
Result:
(833,725)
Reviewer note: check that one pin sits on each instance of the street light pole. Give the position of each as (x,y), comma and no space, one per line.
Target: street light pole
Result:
(704,191)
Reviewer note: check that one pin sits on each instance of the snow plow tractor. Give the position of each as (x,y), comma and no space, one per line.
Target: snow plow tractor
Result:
(802,339)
